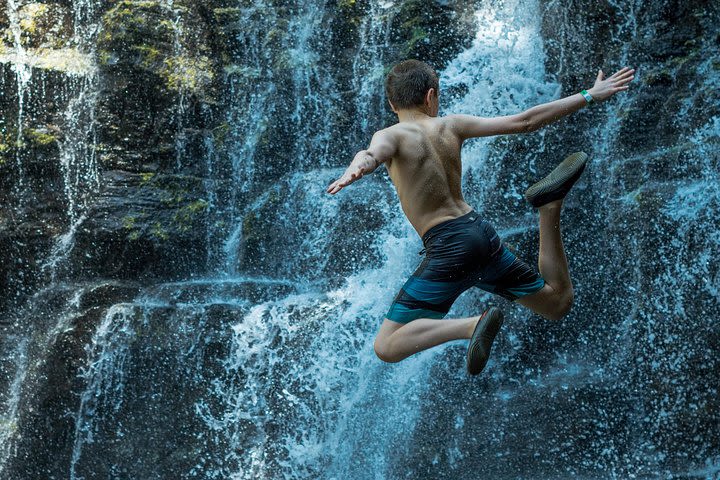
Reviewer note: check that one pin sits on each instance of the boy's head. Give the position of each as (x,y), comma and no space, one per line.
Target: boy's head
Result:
(408,86)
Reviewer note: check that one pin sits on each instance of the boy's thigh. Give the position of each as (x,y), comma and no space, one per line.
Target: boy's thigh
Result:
(387,328)
(510,277)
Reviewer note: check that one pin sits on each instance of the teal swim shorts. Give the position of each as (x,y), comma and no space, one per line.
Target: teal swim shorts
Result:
(461,253)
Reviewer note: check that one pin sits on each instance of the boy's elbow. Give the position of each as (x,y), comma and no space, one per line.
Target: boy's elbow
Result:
(528,123)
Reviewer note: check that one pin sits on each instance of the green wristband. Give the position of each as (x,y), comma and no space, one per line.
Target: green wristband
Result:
(588,98)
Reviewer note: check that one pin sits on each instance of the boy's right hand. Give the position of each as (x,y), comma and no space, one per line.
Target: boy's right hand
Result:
(617,82)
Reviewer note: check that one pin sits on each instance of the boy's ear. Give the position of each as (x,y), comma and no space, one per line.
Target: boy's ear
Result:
(431,93)
(392,107)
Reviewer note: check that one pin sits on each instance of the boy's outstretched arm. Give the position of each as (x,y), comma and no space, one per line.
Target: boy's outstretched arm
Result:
(382,148)
(468,126)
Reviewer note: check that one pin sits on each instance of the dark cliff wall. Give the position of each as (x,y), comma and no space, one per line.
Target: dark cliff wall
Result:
(163,83)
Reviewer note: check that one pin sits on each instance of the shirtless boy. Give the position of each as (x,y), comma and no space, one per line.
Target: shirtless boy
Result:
(422,155)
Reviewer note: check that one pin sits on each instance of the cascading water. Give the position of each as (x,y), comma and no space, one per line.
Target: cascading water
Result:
(77,149)
(23,76)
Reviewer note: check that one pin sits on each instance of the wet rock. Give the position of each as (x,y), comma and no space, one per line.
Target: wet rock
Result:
(107,293)
(143,226)
(47,25)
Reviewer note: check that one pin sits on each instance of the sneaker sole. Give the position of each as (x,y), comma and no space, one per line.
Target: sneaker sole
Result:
(482,339)
(568,170)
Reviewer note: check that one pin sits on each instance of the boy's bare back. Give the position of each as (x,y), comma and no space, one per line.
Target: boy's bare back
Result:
(426,171)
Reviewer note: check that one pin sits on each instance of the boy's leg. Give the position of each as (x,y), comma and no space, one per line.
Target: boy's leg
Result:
(552,262)
(554,300)
(396,341)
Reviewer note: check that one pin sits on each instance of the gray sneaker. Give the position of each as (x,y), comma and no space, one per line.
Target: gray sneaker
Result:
(559,182)
(482,339)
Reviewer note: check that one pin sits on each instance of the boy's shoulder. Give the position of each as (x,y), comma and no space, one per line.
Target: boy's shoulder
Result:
(401,127)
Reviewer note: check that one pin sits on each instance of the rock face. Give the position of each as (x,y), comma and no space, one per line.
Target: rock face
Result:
(180,299)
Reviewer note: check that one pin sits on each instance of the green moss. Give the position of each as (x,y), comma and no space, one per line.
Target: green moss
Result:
(130,22)
(39,137)
(418,35)
(142,4)
(659,77)
(187,73)
(4,149)
(104,57)
(680,61)
(197,206)
(273,35)
(168,25)
(150,56)
(224,14)
(185,216)
(173,197)
(145,178)
(158,231)
(220,133)
(128,222)
(29,14)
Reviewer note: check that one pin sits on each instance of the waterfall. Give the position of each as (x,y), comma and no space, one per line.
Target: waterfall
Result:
(262,365)
(23,76)
(78,160)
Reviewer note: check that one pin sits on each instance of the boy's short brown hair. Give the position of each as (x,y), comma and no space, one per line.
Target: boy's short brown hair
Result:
(407,83)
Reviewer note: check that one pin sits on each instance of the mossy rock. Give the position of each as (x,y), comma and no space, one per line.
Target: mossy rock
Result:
(140,35)
(43,25)
(186,215)
(130,28)
(227,14)
(659,77)
(430,31)
(40,137)
(183,73)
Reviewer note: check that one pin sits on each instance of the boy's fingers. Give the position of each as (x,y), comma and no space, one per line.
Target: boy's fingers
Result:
(599,75)
(629,73)
(624,71)
(618,72)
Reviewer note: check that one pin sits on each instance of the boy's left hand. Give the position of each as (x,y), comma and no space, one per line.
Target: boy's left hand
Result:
(617,82)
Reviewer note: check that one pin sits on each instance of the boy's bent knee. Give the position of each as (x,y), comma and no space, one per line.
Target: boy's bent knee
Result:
(384,353)
(562,306)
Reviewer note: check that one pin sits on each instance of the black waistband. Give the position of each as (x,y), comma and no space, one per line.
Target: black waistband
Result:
(442,226)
